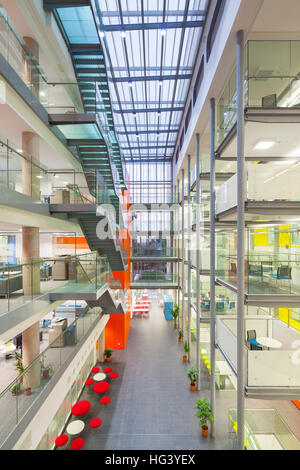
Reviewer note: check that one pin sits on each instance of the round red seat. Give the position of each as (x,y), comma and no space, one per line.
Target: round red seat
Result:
(61,440)
(77,444)
(89,382)
(108,370)
(114,375)
(95,370)
(95,423)
(105,400)
(81,408)
(101,387)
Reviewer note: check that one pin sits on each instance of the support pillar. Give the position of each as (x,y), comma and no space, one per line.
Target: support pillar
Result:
(30,256)
(182,251)
(240,240)
(212,266)
(189,223)
(198,364)
(30,63)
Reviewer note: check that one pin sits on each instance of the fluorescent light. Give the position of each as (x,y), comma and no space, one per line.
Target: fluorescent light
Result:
(264,144)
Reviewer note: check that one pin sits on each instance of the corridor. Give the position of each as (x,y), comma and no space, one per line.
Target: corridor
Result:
(151,405)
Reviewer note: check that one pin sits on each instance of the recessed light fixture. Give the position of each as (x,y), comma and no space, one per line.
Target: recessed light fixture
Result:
(264,144)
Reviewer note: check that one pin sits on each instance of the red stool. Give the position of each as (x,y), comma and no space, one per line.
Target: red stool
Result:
(77,444)
(89,383)
(95,424)
(105,400)
(114,375)
(101,387)
(81,408)
(95,370)
(61,440)
(108,370)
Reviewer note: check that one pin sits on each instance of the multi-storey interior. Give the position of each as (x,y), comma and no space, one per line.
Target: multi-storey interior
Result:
(149,158)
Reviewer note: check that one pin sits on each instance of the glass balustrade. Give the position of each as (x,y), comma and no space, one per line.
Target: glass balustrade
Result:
(65,275)
(272,259)
(270,350)
(19,172)
(155,278)
(272,80)
(264,429)
(22,393)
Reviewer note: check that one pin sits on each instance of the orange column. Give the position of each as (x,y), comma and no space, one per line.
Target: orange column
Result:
(118,326)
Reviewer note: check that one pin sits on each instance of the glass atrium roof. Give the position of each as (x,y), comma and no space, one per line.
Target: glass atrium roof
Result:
(150,48)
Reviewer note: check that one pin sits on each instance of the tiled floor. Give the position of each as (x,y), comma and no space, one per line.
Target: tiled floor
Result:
(151,405)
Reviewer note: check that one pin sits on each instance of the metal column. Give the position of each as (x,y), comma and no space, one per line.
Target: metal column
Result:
(182,251)
(177,242)
(198,364)
(189,259)
(240,239)
(212,265)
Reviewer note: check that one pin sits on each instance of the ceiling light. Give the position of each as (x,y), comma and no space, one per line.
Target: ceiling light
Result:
(123,34)
(137,136)
(19,150)
(39,176)
(56,176)
(158,113)
(160,82)
(163,31)
(134,115)
(101,34)
(130,83)
(42,94)
(264,144)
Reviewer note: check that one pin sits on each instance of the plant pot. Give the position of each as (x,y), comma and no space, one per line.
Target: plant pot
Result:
(193,387)
(184,358)
(46,374)
(204,430)
(28,391)
(108,359)
(179,340)
(175,326)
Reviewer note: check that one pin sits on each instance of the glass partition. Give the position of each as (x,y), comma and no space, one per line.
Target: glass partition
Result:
(272,80)
(264,429)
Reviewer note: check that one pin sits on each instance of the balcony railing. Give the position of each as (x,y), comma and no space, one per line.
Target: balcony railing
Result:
(266,367)
(155,252)
(65,275)
(271,74)
(26,389)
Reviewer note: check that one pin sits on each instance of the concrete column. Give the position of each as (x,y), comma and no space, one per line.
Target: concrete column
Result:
(189,259)
(31,287)
(30,169)
(198,363)
(241,188)
(30,61)
(212,266)
(182,254)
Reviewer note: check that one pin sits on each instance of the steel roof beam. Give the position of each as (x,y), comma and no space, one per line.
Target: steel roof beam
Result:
(152,78)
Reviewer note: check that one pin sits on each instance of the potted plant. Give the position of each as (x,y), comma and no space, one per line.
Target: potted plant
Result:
(19,363)
(180,336)
(192,374)
(28,391)
(15,389)
(175,312)
(107,354)
(186,350)
(45,370)
(204,414)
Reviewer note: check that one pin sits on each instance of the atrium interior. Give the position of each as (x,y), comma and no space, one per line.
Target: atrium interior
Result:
(149,225)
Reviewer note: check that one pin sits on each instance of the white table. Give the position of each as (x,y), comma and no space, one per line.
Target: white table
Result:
(99,377)
(76,427)
(269,342)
